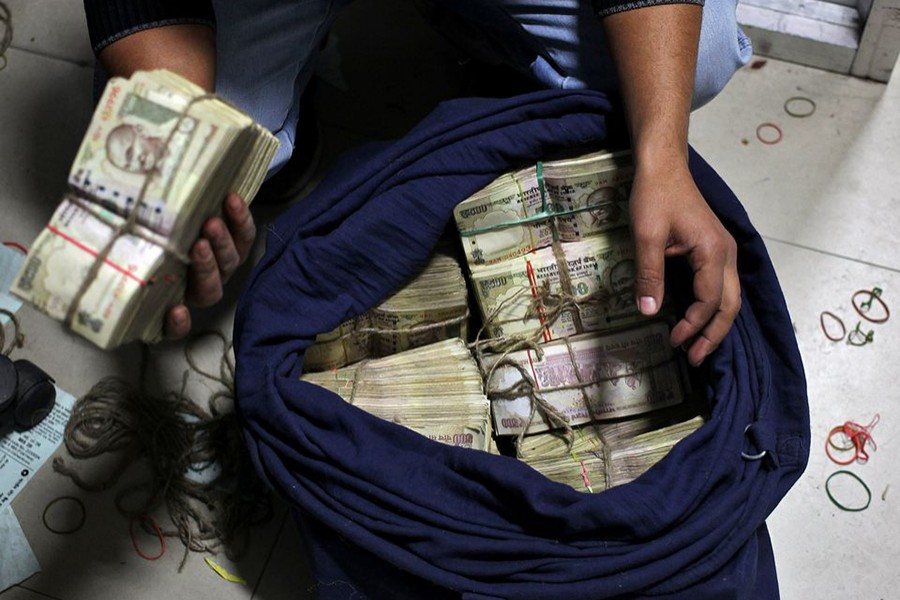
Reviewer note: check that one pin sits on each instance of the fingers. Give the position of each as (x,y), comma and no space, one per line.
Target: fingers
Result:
(204,283)
(221,249)
(178,322)
(219,252)
(718,300)
(241,225)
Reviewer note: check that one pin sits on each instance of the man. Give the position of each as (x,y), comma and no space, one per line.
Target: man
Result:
(261,56)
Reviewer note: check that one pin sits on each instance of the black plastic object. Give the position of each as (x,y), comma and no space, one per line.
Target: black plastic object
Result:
(9,379)
(27,394)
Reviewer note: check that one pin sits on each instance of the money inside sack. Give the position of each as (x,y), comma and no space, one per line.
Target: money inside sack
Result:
(555,366)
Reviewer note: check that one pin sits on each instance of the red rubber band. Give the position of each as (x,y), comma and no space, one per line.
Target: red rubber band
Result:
(763,126)
(137,548)
(825,330)
(872,296)
(829,444)
(17,246)
(858,435)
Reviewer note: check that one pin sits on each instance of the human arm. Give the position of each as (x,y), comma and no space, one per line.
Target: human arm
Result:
(655,52)
(178,37)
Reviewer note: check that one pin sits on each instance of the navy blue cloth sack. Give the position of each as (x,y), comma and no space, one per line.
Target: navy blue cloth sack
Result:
(391,514)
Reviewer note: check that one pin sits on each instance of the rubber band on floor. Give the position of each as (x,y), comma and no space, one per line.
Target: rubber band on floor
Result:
(78,524)
(769,140)
(796,113)
(146,519)
(827,313)
(844,506)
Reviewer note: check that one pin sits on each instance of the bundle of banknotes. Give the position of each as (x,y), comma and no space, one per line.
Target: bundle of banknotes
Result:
(549,250)
(551,263)
(435,390)
(590,283)
(432,306)
(587,378)
(158,159)
(594,462)
(518,212)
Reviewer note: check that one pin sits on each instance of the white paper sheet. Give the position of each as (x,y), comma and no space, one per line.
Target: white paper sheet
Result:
(10,262)
(17,560)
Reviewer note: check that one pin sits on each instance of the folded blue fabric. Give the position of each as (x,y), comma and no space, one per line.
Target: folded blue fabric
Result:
(488,526)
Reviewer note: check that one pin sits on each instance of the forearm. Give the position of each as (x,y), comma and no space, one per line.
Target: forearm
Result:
(128,35)
(189,50)
(655,52)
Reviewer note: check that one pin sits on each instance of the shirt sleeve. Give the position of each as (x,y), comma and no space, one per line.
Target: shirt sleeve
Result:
(604,8)
(111,20)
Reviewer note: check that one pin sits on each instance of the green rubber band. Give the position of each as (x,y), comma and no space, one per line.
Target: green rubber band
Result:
(535,217)
(838,504)
(547,211)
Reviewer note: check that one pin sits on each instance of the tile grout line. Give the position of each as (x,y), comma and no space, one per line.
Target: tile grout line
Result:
(79,63)
(833,254)
(33,591)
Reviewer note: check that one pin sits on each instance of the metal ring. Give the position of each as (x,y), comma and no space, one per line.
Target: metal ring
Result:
(769,141)
(746,456)
(798,114)
(77,526)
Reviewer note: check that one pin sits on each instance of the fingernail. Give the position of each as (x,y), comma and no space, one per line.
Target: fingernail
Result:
(203,252)
(647,305)
(235,203)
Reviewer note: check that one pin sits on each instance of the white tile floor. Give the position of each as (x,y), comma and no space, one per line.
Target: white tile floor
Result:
(825,199)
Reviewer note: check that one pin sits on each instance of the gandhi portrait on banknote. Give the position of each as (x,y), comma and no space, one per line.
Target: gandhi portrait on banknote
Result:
(130,148)
(605,206)
(621,282)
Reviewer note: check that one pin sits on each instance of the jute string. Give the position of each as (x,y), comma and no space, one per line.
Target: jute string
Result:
(422,328)
(173,435)
(547,306)
(7,35)
(18,338)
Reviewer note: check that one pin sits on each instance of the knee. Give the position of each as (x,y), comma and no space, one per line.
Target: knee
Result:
(724,49)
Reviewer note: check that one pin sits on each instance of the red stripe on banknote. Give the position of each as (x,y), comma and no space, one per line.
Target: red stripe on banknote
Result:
(92,252)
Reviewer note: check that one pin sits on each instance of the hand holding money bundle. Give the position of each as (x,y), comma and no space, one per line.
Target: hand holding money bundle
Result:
(159,156)
(552,265)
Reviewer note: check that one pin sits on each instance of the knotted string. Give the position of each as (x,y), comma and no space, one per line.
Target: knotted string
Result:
(7,35)
(18,338)
(174,436)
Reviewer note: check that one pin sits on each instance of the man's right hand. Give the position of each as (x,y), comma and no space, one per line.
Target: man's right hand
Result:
(669,218)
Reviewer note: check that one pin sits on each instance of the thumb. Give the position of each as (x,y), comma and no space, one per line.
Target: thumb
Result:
(649,273)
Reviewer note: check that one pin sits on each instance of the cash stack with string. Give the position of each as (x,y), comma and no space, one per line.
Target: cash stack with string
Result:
(406,360)
(158,159)
(589,390)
